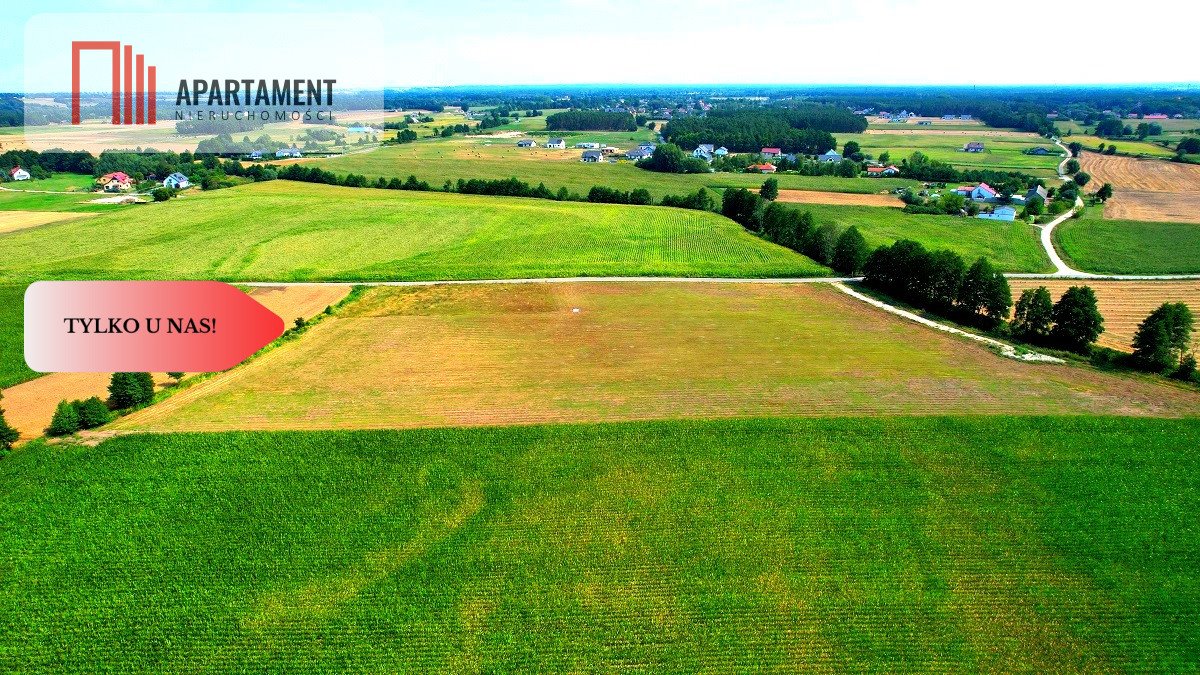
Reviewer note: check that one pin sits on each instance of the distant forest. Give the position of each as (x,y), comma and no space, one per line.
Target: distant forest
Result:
(591,120)
(803,128)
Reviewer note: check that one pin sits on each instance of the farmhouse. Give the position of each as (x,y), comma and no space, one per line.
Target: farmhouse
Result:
(878,171)
(1155,116)
(176,181)
(830,156)
(17,173)
(973,146)
(117,181)
(704,151)
(592,156)
(1000,213)
(588,146)
(257,154)
(771,153)
(288,152)
(638,153)
(557,144)
(721,151)
(762,168)
(979,193)
(1036,191)
(526,143)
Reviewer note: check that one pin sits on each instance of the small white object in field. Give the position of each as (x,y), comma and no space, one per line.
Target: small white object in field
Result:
(574,310)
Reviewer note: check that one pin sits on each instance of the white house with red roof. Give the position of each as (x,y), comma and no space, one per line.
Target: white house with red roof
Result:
(117,181)
(762,168)
(771,153)
(979,193)
(878,171)
(17,173)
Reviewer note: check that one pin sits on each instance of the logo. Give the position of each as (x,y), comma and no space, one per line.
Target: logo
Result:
(138,103)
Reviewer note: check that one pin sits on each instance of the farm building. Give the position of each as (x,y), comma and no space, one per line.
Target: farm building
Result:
(557,144)
(973,146)
(770,153)
(526,143)
(879,171)
(830,156)
(257,154)
(592,156)
(1036,191)
(117,181)
(1000,213)
(924,123)
(17,173)
(704,151)
(288,152)
(979,193)
(588,146)
(721,151)
(176,181)
(638,153)
(762,168)
(1155,116)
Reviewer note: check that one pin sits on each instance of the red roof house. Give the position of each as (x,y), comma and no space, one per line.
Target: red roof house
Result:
(762,168)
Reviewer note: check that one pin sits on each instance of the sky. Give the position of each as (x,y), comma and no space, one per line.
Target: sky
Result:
(682,42)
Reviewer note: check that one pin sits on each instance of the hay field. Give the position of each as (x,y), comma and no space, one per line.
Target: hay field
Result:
(838,198)
(1123,304)
(291,302)
(1146,189)
(1004,149)
(11,221)
(589,352)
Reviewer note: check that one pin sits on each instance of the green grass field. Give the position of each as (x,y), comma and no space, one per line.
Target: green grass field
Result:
(59,182)
(1004,150)
(439,160)
(286,231)
(934,544)
(1013,247)
(34,201)
(12,337)
(1129,247)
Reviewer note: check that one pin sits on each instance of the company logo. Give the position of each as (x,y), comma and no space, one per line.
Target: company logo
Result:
(138,103)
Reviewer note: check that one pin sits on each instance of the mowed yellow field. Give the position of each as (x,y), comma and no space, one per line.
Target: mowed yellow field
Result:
(573,352)
(1123,304)
(11,221)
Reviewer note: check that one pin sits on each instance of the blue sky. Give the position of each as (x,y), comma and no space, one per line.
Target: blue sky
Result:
(718,41)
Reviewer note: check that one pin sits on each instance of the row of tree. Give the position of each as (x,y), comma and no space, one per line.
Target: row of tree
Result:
(125,391)
(940,281)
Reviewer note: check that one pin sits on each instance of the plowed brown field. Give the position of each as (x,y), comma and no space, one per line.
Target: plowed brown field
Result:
(1146,189)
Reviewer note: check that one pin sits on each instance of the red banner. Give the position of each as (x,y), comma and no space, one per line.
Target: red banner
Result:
(150,326)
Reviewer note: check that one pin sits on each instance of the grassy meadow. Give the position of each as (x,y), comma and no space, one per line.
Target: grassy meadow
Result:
(437,161)
(286,231)
(12,337)
(1095,244)
(1004,150)
(1013,247)
(976,544)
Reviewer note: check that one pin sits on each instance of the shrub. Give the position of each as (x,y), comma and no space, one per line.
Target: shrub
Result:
(92,413)
(161,194)
(8,435)
(1186,370)
(129,390)
(769,190)
(65,421)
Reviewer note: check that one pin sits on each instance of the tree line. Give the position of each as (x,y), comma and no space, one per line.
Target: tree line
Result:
(750,130)
(591,120)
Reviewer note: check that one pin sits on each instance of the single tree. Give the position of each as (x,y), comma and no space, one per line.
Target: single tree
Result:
(129,390)
(850,253)
(1077,320)
(1189,146)
(1034,314)
(769,190)
(92,413)
(1075,147)
(885,157)
(1163,338)
(1105,192)
(1082,178)
(65,421)
(1035,206)
(179,376)
(1072,166)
